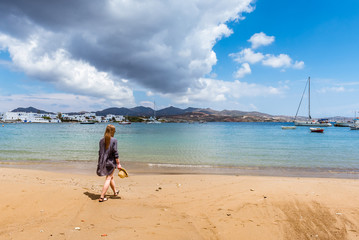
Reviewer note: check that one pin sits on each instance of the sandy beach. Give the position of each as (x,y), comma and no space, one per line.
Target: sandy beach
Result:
(50,205)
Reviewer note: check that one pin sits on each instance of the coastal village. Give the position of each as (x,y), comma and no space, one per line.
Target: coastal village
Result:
(149,115)
(170,115)
(91,117)
(29,117)
(138,114)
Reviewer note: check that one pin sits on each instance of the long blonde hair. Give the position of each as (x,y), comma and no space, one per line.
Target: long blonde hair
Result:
(110,132)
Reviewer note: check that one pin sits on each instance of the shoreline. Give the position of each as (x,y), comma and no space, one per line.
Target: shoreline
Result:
(55,205)
(139,168)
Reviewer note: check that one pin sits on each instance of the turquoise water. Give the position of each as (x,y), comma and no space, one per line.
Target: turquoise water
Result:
(211,144)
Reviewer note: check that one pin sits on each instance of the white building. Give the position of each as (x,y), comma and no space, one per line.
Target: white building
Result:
(30,117)
(53,118)
(119,118)
(90,115)
(15,116)
(111,117)
(101,119)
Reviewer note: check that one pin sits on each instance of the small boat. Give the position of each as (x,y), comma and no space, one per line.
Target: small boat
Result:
(87,122)
(288,127)
(342,124)
(317,130)
(124,121)
(355,125)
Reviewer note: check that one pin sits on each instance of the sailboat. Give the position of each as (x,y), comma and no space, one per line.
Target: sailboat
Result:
(153,119)
(355,125)
(310,121)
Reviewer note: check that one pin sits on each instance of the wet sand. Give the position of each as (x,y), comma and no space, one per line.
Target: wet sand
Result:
(89,167)
(55,205)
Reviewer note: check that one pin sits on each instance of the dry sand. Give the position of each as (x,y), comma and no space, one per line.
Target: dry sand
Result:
(45,205)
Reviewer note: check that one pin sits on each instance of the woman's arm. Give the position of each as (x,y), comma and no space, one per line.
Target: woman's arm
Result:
(118,163)
(116,153)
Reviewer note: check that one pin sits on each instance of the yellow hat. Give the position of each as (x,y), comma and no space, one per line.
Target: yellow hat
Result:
(122,173)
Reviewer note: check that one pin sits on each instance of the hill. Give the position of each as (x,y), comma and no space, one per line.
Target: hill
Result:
(30,110)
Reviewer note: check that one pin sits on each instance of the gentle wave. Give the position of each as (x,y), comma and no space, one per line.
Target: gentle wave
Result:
(169,165)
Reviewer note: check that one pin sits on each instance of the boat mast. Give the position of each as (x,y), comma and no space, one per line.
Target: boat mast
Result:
(310,117)
(301,99)
(154,109)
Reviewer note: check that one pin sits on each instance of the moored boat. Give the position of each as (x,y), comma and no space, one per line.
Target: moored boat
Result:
(317,130)
(87,122)
(153,119)
(342,124)
(355,125)
(288,127)
(313,123)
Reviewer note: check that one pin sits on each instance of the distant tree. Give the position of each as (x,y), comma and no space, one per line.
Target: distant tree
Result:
(59,116)
(135,119)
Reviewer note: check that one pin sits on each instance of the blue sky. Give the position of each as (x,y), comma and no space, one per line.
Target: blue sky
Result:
(238,55)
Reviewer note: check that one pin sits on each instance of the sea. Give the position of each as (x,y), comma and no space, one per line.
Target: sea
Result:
(213,148)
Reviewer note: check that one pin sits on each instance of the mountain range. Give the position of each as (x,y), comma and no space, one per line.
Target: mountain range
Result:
(177,114)
(188,114)
(147,111)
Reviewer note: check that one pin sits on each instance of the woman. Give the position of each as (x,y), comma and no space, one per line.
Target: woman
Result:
(108,161)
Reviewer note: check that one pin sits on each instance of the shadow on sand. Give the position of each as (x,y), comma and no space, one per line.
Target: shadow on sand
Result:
(95,196)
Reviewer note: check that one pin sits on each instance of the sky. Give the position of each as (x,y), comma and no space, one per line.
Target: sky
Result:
(79,55)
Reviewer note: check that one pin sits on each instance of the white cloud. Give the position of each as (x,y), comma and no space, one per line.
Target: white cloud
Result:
(74,76)
(242,71)
(247,55)
(253,107)
(55,102)
(162,46)
(212,91)
(149,93)
(282,60)
(350,83)
(332,89)
(260,39)
(147,104)
(298,65)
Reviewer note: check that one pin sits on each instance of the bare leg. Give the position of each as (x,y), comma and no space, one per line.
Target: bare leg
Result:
(113,186)
(106,184)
